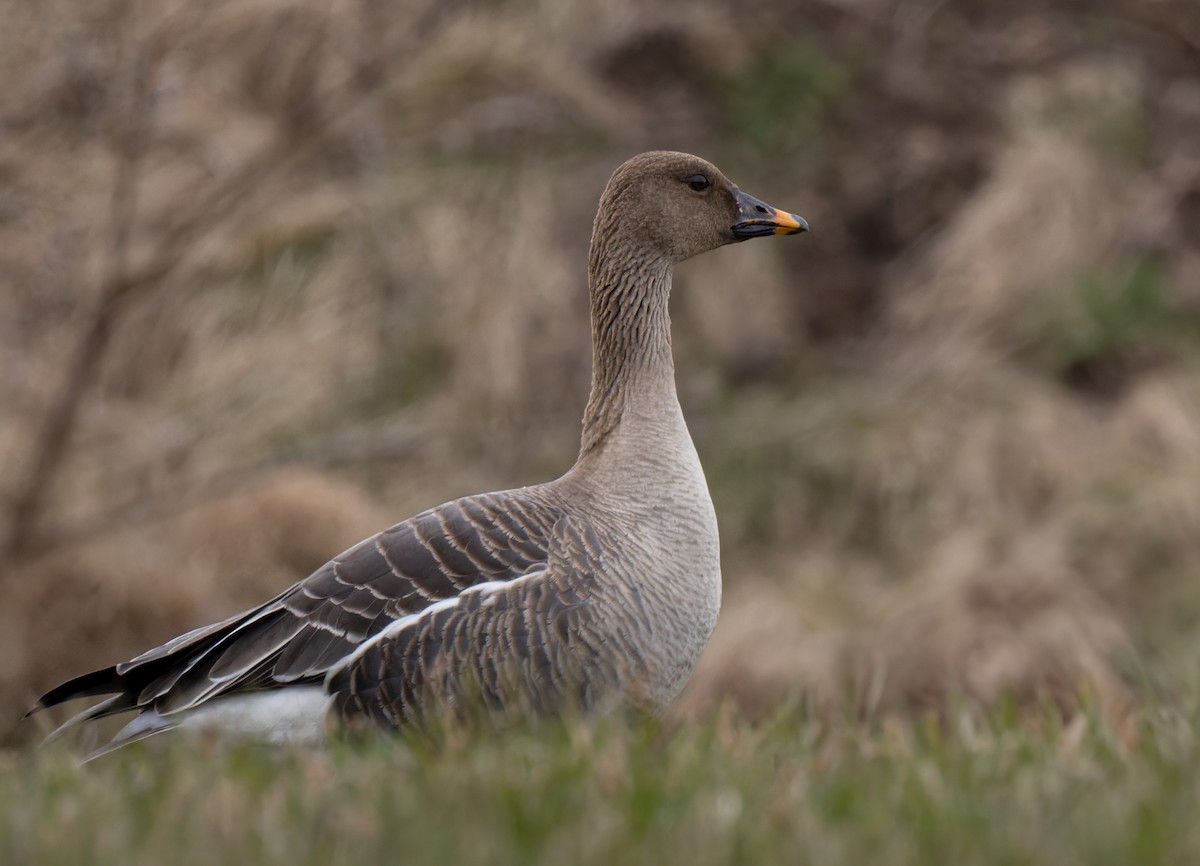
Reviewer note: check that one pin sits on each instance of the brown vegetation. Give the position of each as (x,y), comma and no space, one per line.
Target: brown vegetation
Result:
(953,436)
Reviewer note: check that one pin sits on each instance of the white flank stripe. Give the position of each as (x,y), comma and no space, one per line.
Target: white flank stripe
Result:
(486,589)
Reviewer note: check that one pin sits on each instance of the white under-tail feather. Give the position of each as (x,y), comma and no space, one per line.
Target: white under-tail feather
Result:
(294,715)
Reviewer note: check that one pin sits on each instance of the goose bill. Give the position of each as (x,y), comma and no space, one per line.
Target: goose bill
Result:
(757,219)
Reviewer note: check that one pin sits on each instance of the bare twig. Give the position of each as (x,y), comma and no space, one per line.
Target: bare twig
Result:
(128,143)
(124,281)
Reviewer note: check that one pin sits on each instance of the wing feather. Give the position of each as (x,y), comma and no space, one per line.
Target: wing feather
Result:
(521,644)
(302,634)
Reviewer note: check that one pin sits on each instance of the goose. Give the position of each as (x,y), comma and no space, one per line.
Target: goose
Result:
(593,591)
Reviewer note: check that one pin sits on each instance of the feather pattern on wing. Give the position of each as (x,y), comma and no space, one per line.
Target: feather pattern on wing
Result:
(299,635)
(530,645)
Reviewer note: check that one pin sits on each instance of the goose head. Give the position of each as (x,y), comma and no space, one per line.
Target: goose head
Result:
(674,206)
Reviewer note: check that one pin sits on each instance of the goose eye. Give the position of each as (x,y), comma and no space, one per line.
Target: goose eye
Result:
(699,182)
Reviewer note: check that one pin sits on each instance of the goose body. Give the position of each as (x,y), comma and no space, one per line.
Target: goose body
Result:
(598,589)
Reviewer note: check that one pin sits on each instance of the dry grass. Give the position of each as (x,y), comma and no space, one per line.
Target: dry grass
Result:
(1065,194)
(96,602)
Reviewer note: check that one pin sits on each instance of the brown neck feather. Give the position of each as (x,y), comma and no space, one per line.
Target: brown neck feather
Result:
(631,329)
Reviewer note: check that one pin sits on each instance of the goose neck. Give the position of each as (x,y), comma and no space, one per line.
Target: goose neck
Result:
(632,368)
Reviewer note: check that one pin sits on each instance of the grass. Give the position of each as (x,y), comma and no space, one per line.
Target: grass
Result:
(1115,311)
(998,789)
(778,100)
(1112,321)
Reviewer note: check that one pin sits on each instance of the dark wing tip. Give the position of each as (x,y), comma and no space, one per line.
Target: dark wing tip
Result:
(101,682)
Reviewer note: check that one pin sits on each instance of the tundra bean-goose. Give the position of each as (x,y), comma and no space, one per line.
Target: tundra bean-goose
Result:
(595,590)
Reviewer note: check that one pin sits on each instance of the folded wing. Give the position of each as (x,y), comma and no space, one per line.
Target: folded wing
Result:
(534,645)
(297,637)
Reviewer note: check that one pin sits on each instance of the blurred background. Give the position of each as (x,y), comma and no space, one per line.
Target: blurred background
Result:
(274,275)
